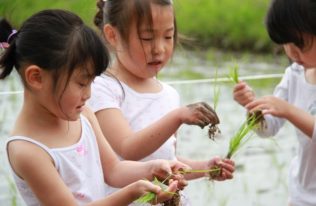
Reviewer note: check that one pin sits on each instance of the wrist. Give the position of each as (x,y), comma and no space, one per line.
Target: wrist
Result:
(133,191)
(177,115)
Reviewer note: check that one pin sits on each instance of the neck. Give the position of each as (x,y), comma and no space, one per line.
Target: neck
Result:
(310,75)
(139,84)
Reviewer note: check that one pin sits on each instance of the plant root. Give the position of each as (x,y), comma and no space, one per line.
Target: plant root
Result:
(213,130)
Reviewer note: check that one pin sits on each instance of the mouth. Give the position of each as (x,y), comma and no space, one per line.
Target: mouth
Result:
(80,107)
(155,63)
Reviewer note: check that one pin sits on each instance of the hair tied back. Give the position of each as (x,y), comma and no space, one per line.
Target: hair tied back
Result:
(12,35)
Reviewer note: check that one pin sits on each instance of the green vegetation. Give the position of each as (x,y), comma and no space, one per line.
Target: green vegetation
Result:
(227,24)
(243,134)
(17,11)
(233,73)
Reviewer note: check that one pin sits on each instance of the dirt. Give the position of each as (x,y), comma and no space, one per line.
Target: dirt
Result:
(174,201)
(213,130)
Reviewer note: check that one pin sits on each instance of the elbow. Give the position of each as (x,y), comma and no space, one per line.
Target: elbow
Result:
(130,155)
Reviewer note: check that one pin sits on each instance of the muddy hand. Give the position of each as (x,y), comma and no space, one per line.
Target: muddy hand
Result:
(201,114)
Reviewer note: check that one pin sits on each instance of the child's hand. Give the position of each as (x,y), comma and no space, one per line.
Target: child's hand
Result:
(243,94)
(269,105)
(167,194)
(227,167)
(163,169)
(199,114)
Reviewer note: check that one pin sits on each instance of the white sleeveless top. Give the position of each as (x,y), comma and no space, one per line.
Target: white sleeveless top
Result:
(79,167)
(140,110)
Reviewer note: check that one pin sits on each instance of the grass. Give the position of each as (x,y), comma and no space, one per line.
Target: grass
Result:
(224,24)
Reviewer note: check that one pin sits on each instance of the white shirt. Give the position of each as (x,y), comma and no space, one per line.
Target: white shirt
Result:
(139,109)
(79,167)
(294,89)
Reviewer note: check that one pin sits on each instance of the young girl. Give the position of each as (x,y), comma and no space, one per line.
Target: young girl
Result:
(292,24)
(57,151)
(139,114)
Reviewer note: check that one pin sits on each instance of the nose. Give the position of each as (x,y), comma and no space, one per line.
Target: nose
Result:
(158,47)
(86,93)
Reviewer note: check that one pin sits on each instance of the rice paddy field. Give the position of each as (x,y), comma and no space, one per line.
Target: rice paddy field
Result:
(261,165)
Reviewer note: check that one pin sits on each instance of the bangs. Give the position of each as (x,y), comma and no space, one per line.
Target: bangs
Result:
(87,51)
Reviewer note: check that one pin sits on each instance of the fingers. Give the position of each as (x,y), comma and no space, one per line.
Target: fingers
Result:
(227,168)
(243,94)
(169,192)
(209,116)
(150,187)
(178,166)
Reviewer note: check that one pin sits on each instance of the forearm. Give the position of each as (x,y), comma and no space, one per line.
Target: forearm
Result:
(127,172)
(301,120)
(121,197)
(144,142)
(195,165)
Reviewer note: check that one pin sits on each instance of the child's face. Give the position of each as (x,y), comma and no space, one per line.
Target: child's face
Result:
(305,56)
(148,52)
(72,98)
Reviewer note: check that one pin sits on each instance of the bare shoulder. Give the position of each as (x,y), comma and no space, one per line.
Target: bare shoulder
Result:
(89,114)
(25,156)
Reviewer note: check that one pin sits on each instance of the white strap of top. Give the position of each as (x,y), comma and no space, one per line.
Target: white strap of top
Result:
(44,147)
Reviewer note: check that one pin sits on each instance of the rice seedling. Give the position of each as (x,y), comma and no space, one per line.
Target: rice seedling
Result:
(213,128)
(243,135)
(216,91)
(233,73)
(175,200)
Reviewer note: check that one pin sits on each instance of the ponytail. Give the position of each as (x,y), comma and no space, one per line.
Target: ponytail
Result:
(99,19)
(7,61)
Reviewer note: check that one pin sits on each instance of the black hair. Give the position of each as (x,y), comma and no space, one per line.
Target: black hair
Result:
(57,41)
(5,30)
(288,20)
(121,13)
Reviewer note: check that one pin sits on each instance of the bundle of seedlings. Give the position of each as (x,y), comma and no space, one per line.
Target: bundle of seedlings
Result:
(213,129)
(151,197)
(242,136)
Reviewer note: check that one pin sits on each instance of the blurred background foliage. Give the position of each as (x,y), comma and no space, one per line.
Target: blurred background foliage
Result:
(225,24)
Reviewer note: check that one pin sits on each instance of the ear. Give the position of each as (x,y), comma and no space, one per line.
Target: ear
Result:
(111,34)
(34,77)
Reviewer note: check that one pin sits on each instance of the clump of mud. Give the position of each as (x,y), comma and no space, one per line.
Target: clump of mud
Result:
(174,201)
(213,130)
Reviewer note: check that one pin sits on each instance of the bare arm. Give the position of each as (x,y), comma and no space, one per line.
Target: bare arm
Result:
(34,166)
(118,173)
(137,145)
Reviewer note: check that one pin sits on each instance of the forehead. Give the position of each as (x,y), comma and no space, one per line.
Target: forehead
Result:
(83,72)
(162,18)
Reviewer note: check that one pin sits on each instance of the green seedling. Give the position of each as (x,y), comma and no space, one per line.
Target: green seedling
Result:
(233,73)
(216,92)
(213,128)
(243,135)
(150,196)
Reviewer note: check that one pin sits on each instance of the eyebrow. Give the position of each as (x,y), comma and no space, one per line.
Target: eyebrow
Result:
(152,30)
